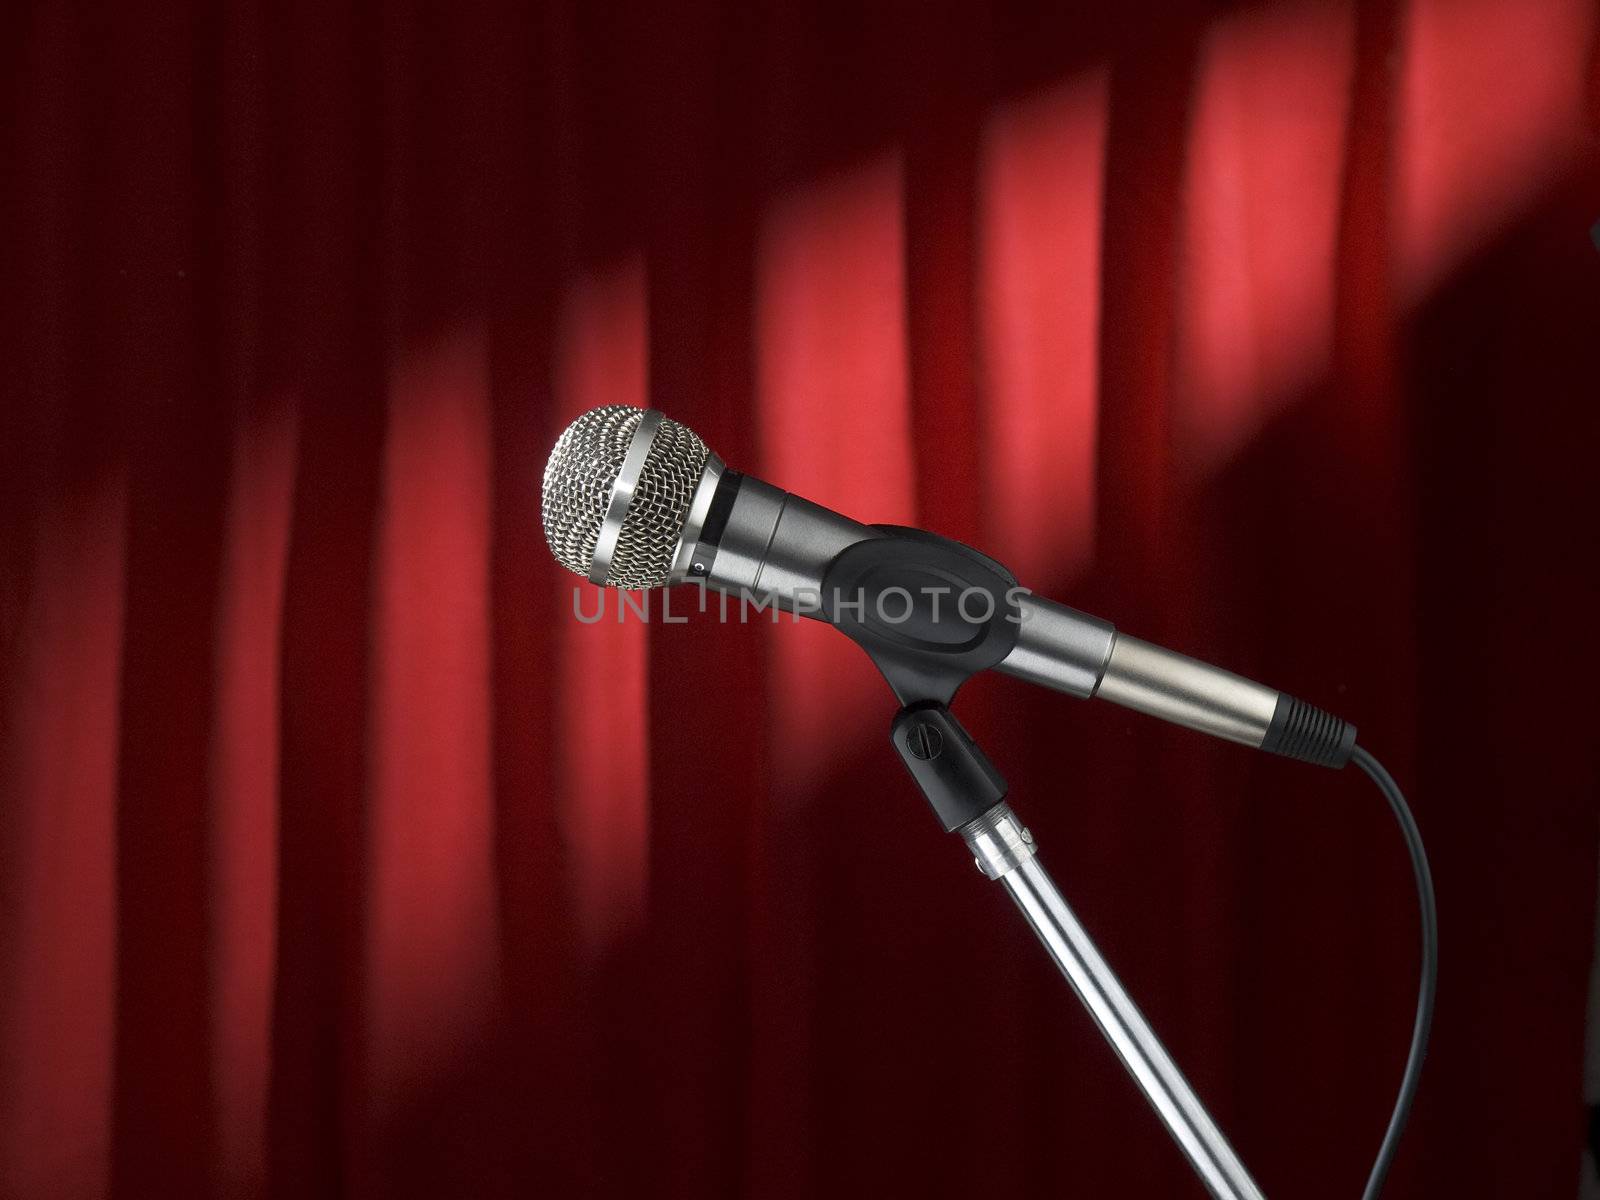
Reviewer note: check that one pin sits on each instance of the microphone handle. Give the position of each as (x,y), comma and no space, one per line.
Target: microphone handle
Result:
(1061,648)
(774,548)
(1057,647)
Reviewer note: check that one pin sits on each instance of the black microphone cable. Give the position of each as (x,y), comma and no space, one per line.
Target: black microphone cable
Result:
(1430,967)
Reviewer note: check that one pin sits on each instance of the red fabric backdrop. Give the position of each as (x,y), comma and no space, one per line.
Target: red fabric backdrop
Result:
(338,859)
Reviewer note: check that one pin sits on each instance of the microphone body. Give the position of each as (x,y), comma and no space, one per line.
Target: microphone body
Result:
(775,547)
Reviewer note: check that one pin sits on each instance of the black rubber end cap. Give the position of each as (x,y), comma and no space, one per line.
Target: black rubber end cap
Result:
(1304,731)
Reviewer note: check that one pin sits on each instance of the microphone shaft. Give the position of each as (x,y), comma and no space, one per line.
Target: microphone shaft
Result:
(1069,651)
(774,548)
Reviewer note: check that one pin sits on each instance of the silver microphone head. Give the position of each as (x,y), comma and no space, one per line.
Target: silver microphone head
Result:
(621,489)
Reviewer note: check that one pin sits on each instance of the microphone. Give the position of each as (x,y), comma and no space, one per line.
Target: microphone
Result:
(635,500)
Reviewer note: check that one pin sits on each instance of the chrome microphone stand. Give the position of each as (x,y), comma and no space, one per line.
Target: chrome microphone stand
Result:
(1004,850)
(959,781)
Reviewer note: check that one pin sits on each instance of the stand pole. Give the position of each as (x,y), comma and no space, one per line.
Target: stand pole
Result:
(1004,850)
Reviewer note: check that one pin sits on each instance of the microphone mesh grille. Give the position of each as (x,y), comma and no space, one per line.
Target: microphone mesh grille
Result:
(581,474)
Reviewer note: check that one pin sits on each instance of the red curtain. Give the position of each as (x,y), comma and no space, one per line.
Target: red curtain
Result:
(337,858)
